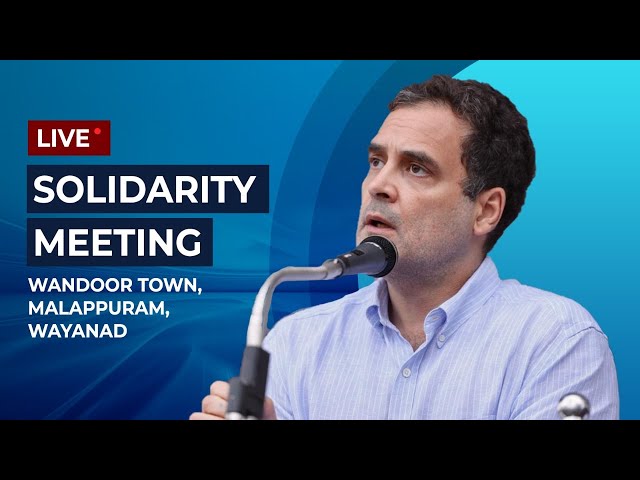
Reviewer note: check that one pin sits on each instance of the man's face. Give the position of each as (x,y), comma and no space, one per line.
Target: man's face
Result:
(412,194)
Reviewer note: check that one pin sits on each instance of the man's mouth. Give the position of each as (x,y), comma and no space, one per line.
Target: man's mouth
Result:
(377,222)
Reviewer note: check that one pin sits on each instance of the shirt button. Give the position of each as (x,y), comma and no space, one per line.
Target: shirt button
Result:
(406,373)
(442,338)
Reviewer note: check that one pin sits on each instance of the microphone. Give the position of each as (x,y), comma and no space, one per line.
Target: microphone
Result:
(574,406)
(375,256)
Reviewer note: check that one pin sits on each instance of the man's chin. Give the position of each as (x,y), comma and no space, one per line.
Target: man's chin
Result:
(369,231)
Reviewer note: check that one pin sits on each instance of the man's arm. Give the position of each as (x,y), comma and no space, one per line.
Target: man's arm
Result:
(581,363)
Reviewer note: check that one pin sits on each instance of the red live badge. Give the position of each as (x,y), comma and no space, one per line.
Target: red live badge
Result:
(69,137)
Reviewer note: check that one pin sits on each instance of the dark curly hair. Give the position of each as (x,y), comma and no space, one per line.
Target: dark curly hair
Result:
(498,153)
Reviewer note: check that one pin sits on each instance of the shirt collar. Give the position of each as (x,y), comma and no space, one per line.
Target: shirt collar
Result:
(378,310)
(457,309)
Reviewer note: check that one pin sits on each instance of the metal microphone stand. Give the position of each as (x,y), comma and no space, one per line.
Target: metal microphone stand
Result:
(247,391)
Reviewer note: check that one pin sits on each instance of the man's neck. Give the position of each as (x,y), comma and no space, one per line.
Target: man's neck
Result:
(410,301)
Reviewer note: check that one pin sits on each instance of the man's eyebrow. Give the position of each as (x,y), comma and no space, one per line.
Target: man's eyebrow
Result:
(415,156)
(423,159)
(376,148)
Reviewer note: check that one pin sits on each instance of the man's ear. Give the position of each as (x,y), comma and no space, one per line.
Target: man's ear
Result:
(489,208)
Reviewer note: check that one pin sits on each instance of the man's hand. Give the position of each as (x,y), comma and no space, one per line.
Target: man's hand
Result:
(214,406)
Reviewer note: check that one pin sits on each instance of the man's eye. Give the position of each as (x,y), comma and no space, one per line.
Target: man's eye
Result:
(375,163)
(418,170)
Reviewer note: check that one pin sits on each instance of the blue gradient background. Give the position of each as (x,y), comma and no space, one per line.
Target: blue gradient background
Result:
(310,121)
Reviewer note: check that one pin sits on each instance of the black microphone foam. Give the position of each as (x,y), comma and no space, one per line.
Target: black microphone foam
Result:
(375,256)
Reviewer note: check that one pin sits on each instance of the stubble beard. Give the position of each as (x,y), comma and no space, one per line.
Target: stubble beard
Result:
(432,252)
(427,254)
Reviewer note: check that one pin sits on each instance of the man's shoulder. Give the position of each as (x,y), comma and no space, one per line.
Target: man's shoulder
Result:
(546,307)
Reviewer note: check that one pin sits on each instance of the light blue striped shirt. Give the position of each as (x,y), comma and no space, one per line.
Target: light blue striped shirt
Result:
(497,349)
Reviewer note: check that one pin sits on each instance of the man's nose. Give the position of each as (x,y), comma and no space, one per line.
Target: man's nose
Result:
(383,185)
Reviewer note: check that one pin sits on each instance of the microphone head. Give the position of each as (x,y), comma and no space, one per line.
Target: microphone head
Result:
(390,252)
(574,406)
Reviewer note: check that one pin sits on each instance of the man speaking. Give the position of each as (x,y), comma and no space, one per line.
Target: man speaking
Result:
(441,336)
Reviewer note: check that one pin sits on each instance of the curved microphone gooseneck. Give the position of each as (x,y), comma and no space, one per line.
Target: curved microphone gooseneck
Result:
(375,256)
